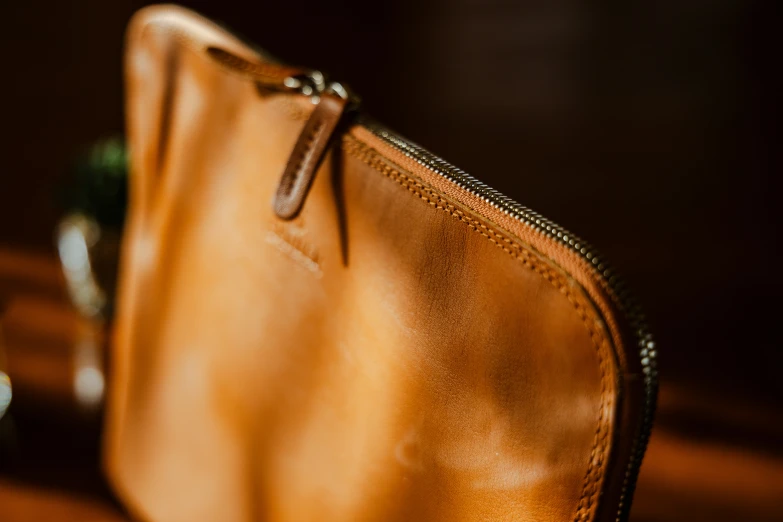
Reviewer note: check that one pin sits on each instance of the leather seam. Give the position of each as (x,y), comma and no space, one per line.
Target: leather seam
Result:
(305,155)
(594,472)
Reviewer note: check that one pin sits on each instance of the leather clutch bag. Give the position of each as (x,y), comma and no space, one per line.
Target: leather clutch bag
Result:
(320,320)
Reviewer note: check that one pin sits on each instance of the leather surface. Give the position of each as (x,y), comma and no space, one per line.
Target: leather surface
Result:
(307,155)
(393,353)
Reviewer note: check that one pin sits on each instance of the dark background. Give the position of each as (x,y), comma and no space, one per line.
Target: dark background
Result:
(647,127)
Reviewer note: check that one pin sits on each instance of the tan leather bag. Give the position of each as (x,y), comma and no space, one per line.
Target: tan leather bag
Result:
(319,320)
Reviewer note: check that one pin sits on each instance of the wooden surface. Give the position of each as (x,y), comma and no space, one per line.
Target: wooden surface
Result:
(30,502)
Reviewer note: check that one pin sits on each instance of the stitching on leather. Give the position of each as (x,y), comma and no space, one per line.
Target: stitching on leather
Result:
(594,473)
(306,152)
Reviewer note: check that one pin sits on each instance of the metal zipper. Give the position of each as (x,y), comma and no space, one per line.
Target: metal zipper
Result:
(624,301)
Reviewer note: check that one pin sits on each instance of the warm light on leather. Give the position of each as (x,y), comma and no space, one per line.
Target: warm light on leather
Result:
(386,341)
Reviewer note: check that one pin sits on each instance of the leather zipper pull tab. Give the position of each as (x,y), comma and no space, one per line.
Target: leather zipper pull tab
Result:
(332,100)
(308,153)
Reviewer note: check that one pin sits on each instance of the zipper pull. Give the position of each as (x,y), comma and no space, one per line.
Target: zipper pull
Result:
(332,102)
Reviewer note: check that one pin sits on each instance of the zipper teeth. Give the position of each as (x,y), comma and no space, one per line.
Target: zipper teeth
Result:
(622,298)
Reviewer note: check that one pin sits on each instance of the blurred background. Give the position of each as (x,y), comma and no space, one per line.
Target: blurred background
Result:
(647,127)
